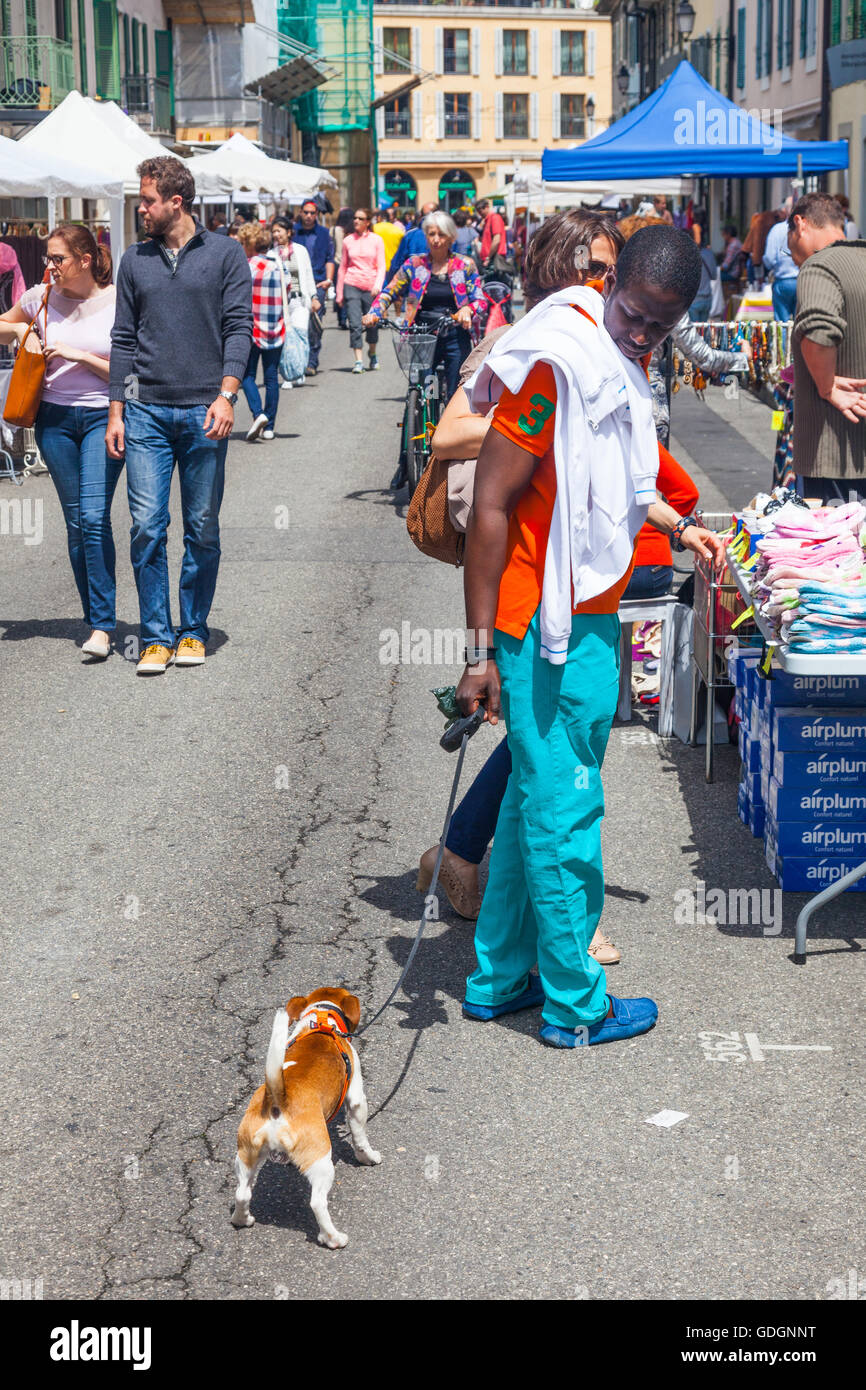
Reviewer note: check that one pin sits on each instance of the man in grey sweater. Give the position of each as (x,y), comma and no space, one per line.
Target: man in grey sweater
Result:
(180,343)
(829,351)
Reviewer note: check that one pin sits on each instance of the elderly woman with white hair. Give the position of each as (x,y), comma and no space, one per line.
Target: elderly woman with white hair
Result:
(440,282)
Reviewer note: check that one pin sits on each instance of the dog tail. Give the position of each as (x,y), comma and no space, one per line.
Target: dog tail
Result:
(276,1056)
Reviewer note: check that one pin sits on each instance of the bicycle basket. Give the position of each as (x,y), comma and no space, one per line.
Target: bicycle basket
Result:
(415,353)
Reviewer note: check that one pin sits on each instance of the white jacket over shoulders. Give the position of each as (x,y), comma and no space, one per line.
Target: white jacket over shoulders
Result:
(605,448)
(306,279)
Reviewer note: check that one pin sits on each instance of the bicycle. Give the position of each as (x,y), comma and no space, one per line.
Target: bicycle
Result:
(415,348)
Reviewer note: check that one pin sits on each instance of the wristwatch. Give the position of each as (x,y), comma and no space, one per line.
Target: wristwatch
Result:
(677,532)
(230,396)
(474,656)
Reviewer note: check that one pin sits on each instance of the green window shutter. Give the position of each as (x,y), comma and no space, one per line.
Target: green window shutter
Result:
(741,49)
(127,47)
(144,53)
(5,18)
(804,26)
(82,49)
(136,46)
(107,54)
(30,20)
(163,55)
(760,38)
(835,22)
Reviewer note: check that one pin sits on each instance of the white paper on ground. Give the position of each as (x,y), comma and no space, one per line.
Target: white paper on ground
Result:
(666,1118)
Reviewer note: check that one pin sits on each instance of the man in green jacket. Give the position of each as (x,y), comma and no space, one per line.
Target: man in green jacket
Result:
(829,351)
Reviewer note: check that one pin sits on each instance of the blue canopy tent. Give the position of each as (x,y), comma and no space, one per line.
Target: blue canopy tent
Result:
(689,129)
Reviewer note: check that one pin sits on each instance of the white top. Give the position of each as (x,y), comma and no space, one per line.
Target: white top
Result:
(80,323)
(605,448)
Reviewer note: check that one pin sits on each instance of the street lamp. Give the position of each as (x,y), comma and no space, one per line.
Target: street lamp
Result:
(623,79)
(685,19)
(589,107)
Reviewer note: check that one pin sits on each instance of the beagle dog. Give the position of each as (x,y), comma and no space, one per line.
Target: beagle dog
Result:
(311,1069)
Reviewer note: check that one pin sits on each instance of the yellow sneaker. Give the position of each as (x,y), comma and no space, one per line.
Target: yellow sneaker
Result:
(190,652)
(154,660)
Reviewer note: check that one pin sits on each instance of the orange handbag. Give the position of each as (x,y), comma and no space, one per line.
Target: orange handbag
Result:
(28,374)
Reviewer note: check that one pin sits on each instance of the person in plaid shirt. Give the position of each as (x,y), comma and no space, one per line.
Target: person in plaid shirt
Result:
(269,331)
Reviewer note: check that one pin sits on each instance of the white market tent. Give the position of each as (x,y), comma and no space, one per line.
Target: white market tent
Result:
(28,172)
(114,143)
(251,171)
(528,191)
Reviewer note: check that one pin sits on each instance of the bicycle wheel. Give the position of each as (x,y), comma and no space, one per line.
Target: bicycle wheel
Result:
(417,449)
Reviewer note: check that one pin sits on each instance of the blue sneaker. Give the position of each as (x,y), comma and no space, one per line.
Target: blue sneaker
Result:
(630,1017)
(527,1000)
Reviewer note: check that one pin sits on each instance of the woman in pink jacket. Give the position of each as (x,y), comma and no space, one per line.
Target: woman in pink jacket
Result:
(359,280)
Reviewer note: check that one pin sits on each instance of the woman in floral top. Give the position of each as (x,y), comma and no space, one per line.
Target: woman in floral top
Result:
(436,284)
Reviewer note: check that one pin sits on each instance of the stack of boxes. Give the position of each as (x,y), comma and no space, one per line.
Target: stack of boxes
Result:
(803,781)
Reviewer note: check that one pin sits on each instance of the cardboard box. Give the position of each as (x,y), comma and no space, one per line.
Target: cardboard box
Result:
(799,875)
(750,750)
(800,729)
(817,692)
(743,804)
(816,803)
(819,769)
(808,839)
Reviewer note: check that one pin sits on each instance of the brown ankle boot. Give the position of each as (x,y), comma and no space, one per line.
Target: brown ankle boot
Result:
(457,876)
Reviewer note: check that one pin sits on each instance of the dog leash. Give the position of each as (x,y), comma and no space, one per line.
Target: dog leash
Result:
(462,730)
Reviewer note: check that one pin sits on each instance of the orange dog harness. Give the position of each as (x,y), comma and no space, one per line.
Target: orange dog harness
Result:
(327,1018)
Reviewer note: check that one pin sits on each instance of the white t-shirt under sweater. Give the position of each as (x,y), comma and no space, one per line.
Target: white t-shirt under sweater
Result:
(79,323)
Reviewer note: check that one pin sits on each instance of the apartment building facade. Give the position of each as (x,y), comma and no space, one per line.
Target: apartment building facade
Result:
(112,51)
(500,82)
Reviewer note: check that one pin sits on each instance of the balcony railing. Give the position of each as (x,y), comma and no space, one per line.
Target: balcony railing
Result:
(35,73)
(398,124)
(148,101)
(457,125)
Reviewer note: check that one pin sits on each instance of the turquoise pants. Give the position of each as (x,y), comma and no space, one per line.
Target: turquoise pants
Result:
(545,891)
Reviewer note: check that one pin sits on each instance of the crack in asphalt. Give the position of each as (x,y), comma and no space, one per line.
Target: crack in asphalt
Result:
(247,1025)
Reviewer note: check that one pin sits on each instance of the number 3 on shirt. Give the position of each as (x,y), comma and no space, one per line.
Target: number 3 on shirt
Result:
(542,409)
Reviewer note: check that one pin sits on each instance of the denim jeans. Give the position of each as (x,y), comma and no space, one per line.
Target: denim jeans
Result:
(699,310)
(784,298)
(157,437)
(71,439)
(453,346)
(649,581)
(270,364)
(474,821)
(314,334)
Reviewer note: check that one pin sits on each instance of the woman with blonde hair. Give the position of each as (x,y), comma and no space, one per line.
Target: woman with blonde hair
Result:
(74,316)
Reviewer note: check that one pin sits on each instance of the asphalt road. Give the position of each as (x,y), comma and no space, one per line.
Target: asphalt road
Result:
(183,854)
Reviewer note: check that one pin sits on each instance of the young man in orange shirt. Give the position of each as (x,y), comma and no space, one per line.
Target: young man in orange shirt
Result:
(545,891)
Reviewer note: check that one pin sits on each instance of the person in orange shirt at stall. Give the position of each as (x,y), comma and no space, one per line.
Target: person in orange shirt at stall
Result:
(545,890)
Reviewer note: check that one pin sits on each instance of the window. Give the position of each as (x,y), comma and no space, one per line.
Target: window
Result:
(399,42)
(572,122)
(107,55)
(82,50)
(455,50)
(63,19)
(398,118)
(457,115)
(572,53)
(515,117)
(785,34)
(515,54)
(764,45)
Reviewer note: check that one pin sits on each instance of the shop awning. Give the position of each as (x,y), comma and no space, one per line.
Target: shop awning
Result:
(688,129)
(293,79)
(209,11)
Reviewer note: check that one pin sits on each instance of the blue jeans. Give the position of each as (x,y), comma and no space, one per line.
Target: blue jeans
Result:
(270,364)
(157,436)
(71,439)
(785,298)
(649,581)
(474,821)
(699,310)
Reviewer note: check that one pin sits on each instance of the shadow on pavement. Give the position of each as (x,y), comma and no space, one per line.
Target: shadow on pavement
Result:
(75,630)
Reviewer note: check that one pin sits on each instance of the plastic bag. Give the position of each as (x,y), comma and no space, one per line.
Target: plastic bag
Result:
(299,316)
(295,355)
